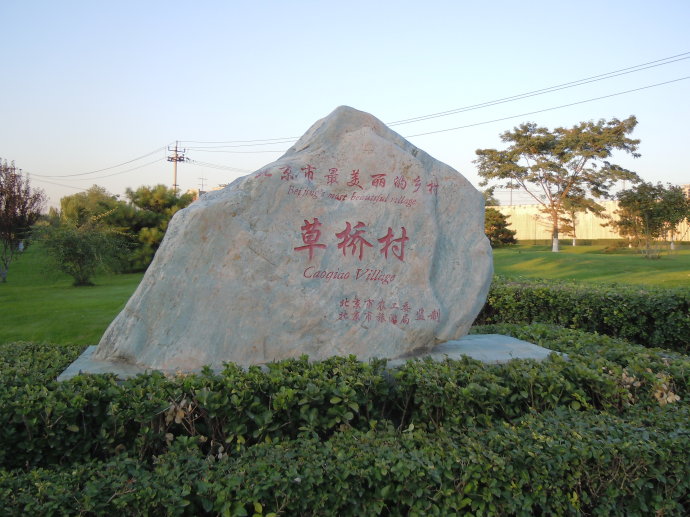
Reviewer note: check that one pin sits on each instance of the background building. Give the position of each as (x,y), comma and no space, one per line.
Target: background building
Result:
(533,225)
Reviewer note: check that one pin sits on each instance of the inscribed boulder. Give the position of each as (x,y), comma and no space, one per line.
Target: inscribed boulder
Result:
(353,242)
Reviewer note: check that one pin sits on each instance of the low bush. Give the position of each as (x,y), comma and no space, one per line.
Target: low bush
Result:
(602,431)
(560,462)
(655,317)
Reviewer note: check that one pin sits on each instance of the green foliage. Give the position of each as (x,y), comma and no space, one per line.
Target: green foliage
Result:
(649,212)
(489,197)
(20,208)
(603,432)
(644,315)
(563,164)
(154,207)
(82,207)
(574,205)
(144,219)
(496,228)
(82,251)
(561,462)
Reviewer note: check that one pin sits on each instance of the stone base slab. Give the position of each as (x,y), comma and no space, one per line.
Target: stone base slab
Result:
(488,348)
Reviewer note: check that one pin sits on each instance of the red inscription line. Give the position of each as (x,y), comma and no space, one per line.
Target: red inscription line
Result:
(355,310)
(352,239)
(356,179)
(363,274)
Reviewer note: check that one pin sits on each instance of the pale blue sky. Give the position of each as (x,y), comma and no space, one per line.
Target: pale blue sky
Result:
(88,85)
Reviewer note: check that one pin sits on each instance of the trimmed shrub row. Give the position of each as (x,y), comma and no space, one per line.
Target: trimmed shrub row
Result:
(46,423)
(561,462)
(603,431)
(655,317)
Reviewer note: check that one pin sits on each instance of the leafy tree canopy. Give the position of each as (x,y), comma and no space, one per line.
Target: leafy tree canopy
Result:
(490,198)
(81,207)
(82,251)
(496,228)
(647,213)
(565,163)
(155,207)
(20,208)
(143,216)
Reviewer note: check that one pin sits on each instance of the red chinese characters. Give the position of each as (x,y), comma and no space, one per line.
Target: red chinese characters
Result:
(354,179)
(398,245)
(310,237)
(378,180)
(400,182)
(309,172)
(332,176)
(384,312)
(352,238)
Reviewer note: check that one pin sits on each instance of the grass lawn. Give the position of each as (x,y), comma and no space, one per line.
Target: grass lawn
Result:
(40,305)
(595,264)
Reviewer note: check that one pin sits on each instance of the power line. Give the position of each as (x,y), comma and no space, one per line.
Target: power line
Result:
(115,173)
(59,184)
(216,166)
(548,109)
(240,141)
(104,169)
(221,146)
(201,148)
(128,170)
(514,116)
(572,84)
(239,152)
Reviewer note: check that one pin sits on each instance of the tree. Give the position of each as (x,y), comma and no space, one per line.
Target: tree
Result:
(552,166)
(574,205)
(489,198)
(648,212)
(82,251)
(20,208)
(496,228)
(155,206)
(143,220)
(81,207)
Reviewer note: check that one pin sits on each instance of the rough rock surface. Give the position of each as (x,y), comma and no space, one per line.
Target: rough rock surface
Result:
(353,242)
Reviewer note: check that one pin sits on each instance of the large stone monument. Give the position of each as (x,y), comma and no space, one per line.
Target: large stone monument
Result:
(354,241)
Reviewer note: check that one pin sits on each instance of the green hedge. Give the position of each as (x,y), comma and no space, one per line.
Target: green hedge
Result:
(656,317)
(604,431)
(561,462)
(45,423)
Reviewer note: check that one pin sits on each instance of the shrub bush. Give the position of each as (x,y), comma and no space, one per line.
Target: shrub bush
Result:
(558,462)
(603,431)
(655,317)
(45,423)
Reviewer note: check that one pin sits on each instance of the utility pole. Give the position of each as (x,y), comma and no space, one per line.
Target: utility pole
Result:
(202,179)
(178,156)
